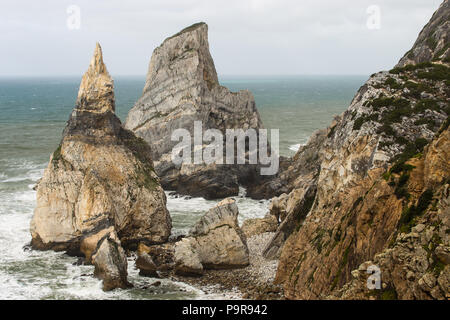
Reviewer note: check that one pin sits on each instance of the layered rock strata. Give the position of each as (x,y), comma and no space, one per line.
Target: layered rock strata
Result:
(181,88)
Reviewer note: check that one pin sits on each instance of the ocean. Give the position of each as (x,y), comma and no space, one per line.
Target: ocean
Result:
(33,113)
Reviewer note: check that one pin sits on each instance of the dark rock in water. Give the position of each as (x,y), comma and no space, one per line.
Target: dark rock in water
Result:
(182,87)
(110,263)
(80,261)
(215,242)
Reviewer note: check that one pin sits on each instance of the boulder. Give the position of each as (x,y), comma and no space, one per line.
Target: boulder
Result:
(162,255)
(278,206)
(252,227)
(219,241)
(110,263)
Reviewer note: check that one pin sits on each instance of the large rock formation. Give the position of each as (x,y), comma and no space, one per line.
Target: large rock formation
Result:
(100,181)
(182,87)
(351,185)
(215,242)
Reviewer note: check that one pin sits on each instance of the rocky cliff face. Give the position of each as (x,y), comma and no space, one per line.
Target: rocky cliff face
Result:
(100,181)
(351,185)
(182,87)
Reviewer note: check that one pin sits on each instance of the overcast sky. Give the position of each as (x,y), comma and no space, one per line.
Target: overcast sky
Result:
(247,37)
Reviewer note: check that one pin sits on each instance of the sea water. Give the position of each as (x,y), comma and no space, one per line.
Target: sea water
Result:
(33,113)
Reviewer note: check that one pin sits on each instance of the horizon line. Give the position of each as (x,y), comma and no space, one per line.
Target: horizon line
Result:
(223,75)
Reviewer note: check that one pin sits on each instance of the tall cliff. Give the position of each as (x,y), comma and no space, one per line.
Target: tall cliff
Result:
(100,178)
(182,87)
(353,188)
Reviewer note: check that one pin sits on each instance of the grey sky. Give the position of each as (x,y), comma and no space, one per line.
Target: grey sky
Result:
(247,37)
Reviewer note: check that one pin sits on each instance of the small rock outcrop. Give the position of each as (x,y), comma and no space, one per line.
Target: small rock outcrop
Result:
(110,263)
(215,242)
(99,181)
(146,265)
(187,259)
(182,87)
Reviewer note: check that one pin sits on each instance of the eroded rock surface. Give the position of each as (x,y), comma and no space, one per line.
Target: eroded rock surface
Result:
(432,43)
(182,87)
(215,242)
(253,227)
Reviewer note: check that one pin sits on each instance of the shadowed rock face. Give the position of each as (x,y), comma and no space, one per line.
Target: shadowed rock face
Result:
(433,40)
(99,180)
(182,87)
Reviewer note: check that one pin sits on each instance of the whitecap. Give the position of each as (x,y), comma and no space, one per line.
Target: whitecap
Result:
(32,175)
(296,147)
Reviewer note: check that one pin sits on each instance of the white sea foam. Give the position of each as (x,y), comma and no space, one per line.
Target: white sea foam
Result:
(296,147)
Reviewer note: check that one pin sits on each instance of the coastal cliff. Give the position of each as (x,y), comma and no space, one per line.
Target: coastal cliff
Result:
(99,183)
(360,185)
(182,87)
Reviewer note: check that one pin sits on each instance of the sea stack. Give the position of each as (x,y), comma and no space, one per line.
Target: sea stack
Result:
(99,191)
(182,87)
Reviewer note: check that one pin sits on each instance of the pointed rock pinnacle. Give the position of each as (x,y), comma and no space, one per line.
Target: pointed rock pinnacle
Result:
(96,93)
